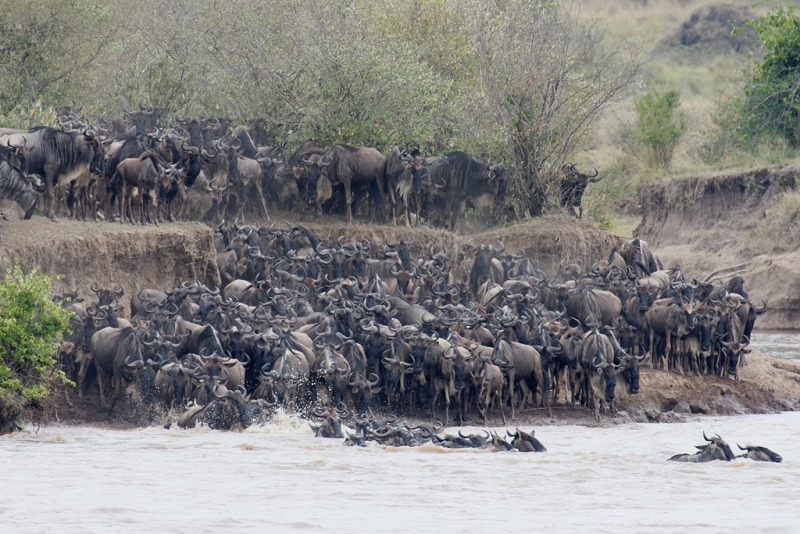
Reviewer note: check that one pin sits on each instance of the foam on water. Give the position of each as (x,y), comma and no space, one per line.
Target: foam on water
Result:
(280,478)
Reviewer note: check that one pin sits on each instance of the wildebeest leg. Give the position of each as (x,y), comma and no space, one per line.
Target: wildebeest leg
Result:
(261,199)
(462,209)
(524,390)
(100,384)
(459,411)
(116,383)
(49,180)
(86,360)
(511,381)
(667,348)
(408,213)
(348,199)
(121,199)
(437,390)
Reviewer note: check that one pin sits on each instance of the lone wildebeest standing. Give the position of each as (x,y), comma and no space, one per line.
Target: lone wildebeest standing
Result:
(572,187)
(350,167)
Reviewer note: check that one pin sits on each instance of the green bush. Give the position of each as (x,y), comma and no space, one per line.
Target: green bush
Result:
(770,104)
(658,126)
(31,326)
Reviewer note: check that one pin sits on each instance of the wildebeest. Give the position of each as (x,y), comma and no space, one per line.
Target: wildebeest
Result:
(759,454)
(526,442)
(715,449)
(351,167)
(572,187)
(118,355)
(483,268)
(599,371)
(61,157)
(396,164)
(121,149)
(466,178)
(173,384)
(666,319)
(14,186)
(142,173)
(519,363)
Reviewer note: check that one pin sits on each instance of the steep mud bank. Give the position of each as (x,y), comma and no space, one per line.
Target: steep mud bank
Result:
(713,210)
(150,257)
(547,241)
(110,254)
(707,222)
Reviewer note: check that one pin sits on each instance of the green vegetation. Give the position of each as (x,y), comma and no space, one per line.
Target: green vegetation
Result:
(522,81)
(533,83)
(770,104)
(657,126)
(31,325)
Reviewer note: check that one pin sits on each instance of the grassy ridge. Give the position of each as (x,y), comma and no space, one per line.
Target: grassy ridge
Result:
(706,74)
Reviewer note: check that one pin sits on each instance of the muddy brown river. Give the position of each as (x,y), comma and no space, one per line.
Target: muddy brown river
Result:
(279,478)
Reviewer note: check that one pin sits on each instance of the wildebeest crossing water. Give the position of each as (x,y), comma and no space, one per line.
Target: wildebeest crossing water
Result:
(280,478)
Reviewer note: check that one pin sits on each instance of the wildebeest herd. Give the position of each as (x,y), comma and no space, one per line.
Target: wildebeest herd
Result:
(353,327)
(199,170)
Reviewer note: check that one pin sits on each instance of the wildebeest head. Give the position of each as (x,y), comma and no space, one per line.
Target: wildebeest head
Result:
(313,166)
(105,297)
(607,371)
(718,448)
(97,163)
(497,176)
(401,252)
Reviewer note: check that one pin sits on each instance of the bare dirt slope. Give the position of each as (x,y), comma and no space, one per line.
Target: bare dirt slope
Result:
(110,254)
(708,222)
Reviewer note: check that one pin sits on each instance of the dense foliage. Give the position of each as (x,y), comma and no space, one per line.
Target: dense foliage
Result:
(770,105)
(30,327)
(520,80)
(658,126)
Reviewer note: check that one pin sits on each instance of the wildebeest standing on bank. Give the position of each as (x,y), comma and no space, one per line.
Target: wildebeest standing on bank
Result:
(465,178)
(61,157)
(143,174)
(14,186)
(350,167)
(572,187)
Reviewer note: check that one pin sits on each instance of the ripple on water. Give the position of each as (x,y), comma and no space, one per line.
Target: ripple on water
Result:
(613,479)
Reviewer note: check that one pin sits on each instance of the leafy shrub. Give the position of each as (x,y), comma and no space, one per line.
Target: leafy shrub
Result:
(658,126)
(31,326)
(770,104)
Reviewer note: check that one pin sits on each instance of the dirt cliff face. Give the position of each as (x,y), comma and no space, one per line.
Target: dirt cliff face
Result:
(713,210)
(708,222)
(111,254)
(547,241)
(153,257)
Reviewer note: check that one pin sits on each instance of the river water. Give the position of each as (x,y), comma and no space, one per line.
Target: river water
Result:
(279,478)
(778,344)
